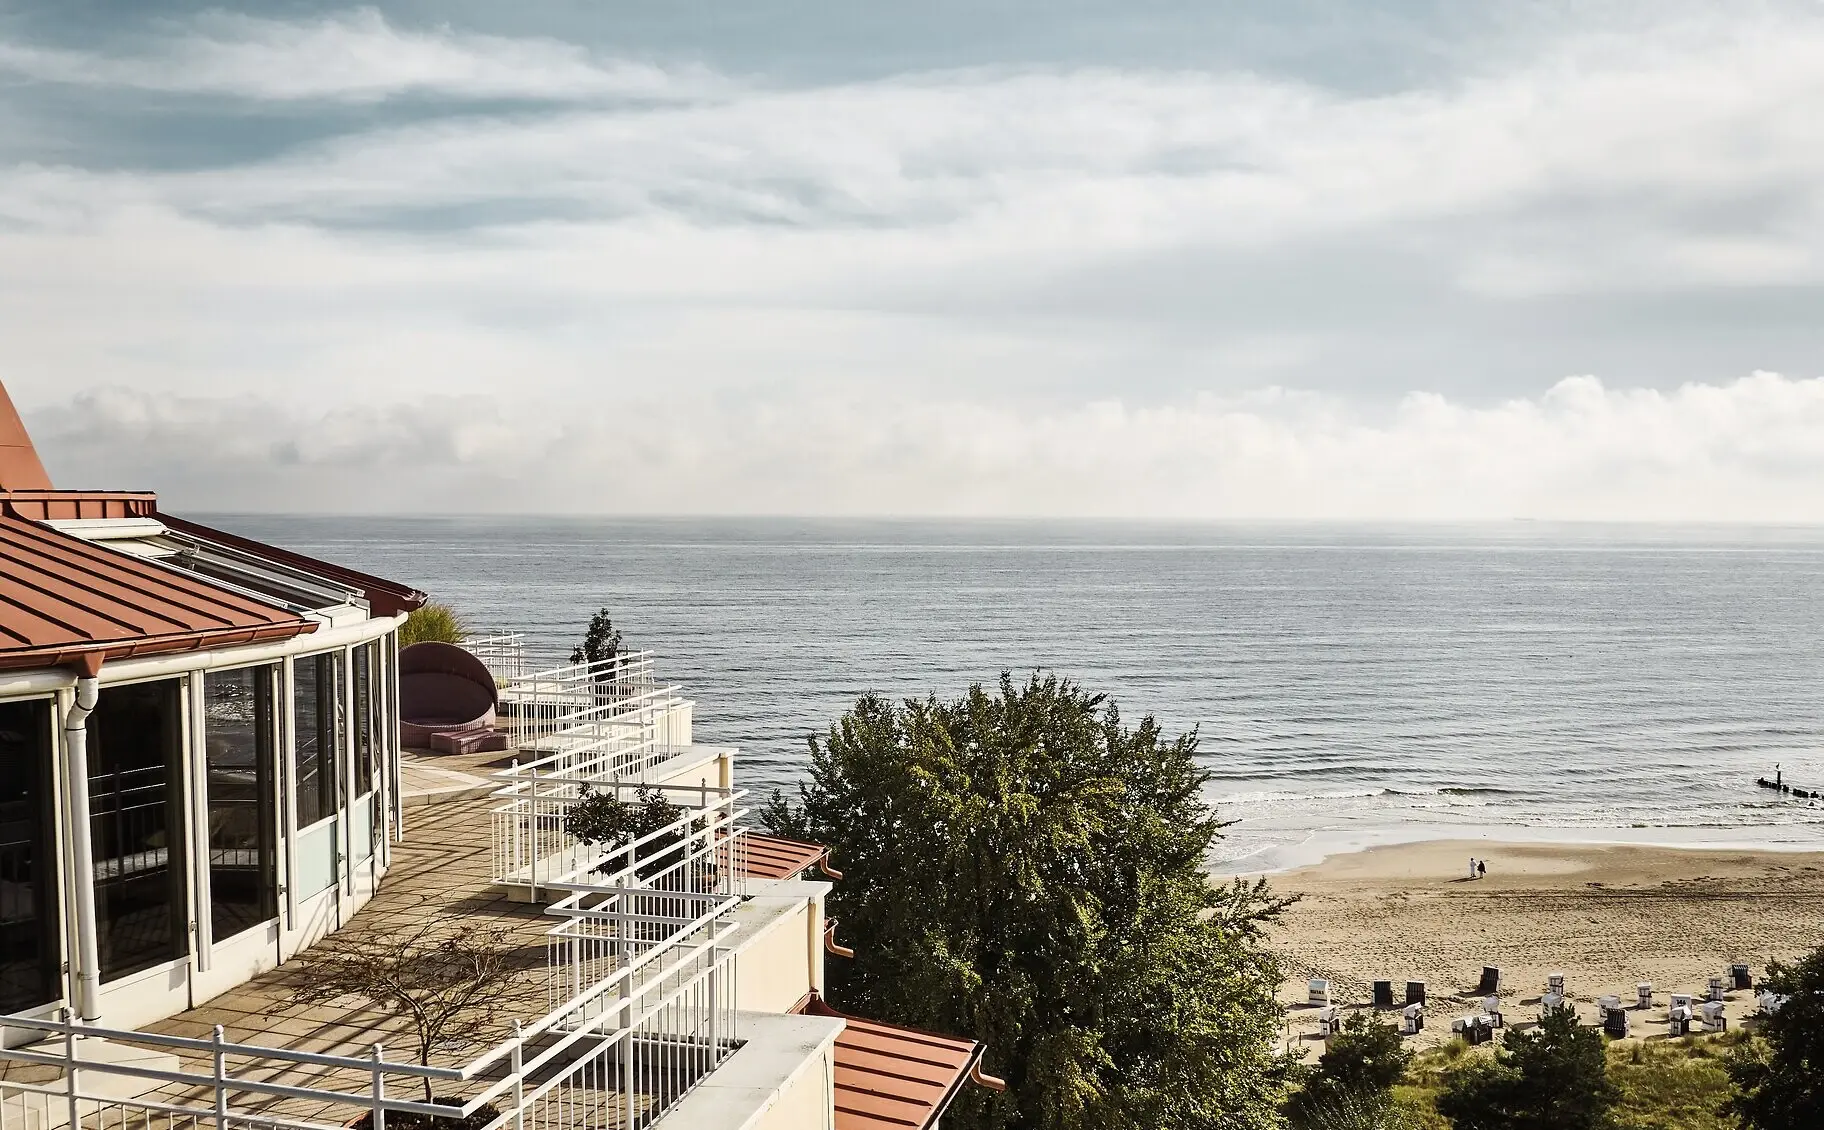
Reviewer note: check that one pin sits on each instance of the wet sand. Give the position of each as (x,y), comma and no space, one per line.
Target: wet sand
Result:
(1608,917)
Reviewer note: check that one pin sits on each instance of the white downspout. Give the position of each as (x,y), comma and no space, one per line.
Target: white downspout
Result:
(82,849)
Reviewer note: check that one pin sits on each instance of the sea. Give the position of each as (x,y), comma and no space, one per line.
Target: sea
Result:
(1349,685)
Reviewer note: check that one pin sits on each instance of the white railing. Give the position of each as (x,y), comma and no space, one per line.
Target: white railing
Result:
(641,1010)
(702,850)
(502,653)
(608,719)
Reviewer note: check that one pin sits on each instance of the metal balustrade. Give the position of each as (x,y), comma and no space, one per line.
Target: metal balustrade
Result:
(641,1008)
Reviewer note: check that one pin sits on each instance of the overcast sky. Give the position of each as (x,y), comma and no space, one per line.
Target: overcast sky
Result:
(1199,258)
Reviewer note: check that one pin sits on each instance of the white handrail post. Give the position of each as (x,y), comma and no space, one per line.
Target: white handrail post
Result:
(69,1072)
(519,1077)
(379,1088)
(537,816)
(219,1063)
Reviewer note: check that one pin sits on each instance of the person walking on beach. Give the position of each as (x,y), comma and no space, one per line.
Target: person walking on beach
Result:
(1472,867)
(1481,868)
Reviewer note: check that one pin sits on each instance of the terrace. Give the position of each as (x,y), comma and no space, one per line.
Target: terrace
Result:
(627,996)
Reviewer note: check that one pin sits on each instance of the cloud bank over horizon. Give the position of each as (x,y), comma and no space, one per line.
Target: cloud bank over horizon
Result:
(1745,451)
(1166,259)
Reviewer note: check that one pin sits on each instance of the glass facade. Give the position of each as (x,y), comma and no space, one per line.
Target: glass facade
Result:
(239,735)
(136,814)
(318,725)
(29,955)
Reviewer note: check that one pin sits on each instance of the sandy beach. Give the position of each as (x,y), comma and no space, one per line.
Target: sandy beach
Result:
(1608,917)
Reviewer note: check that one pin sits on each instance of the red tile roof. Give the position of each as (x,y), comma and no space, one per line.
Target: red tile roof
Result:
(64,600)
(775,857)
(893,1078)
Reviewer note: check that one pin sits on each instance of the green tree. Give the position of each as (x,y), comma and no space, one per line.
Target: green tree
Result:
(1353,1084)
(1554,1077)
(1021,868)
(1779,1076)
(600,640)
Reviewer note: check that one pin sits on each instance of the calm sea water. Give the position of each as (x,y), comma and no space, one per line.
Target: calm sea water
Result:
(1350,684)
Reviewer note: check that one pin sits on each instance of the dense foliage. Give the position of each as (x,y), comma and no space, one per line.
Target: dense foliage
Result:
(433,623)
(601,641)
(1352,1087)
(1021,868)
(599,818)
(1779,1077)
(1553,1077)
(1664,1084)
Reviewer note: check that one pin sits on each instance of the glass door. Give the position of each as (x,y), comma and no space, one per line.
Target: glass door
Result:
(318,729)
(136,816)
(30,960)
(239,735)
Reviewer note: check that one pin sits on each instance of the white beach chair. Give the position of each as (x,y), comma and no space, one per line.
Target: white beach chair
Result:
(1643,994)
(1719,988)
(1607,1002)
(1412,1021)
(1554,983)
(1678,1020)
(1714,1020)
(1319,993)
(1770,1003)
(1491,1008)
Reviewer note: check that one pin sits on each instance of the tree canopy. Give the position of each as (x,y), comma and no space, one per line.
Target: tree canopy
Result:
(1554,1077)
(1779,1076)
(1021,868)
(1354,1079)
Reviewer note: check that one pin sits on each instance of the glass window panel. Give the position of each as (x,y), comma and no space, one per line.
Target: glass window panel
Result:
(29,956)
(319,727)
(367,669)
(238,734)
(137,819)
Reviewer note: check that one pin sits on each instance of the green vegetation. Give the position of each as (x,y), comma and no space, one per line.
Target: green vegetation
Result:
(1552,1077)
(602,818)
(1780,1077)
(601,642)
(1023,869)
(1662,1084)
(1352,1087)
(434,623)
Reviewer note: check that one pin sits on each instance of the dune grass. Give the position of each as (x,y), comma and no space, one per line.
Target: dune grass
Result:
(1665,1084)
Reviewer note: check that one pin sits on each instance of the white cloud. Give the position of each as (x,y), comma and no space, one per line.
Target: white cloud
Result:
(1747,450)
(935,292)
(356,57)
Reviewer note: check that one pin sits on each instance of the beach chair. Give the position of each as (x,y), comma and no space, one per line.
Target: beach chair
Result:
(1714,1020)
(1554,983)
(1490,984)
(1491,1008)
(1383,995)
(1770,1003)
(1615,1021)
(1743,978)
(1319,993)
(1330,1019)
(1473,1028)
(1678,1020)
(1553,1003)
(1643,995)
(1415,992)
(1608,1001)
(1719,988)
(1412,1021)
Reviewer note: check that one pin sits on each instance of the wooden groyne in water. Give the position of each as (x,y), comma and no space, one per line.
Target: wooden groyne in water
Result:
(1779,785)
